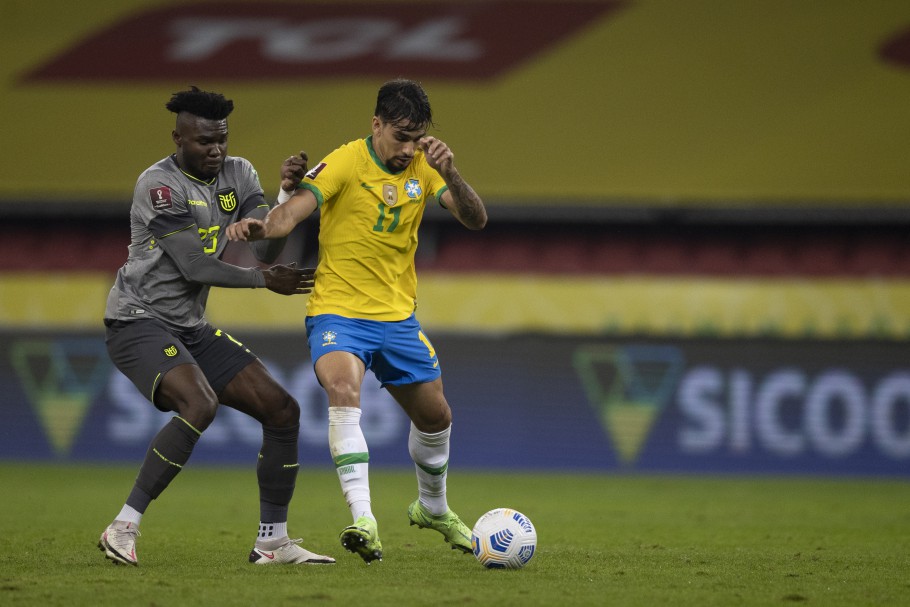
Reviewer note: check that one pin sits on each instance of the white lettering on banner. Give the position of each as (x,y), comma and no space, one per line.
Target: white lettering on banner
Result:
(893,391)
(779,389)
(834,415)
(437,39)
(699,397)
(199,39)
(135,420)
(326,39)
(836,389)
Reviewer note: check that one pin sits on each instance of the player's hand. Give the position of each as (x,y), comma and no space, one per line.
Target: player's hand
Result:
(292,171)
(438,154)
(289,279)
(247,229)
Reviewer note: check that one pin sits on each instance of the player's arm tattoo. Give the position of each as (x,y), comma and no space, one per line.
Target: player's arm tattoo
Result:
(469,207)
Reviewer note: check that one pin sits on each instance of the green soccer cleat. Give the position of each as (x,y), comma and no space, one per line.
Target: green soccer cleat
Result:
(362,538)
(449,525)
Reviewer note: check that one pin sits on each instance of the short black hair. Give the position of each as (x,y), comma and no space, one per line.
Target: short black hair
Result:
(212,106)
(403,100)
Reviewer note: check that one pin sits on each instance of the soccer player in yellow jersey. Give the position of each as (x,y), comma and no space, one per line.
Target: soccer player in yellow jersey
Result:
(371,194)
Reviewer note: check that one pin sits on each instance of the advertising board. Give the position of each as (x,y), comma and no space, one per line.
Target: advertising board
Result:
(528,402)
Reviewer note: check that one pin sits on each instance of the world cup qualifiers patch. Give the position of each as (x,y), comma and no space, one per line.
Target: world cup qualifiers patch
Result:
(315,170)
(161,198)
(412,188)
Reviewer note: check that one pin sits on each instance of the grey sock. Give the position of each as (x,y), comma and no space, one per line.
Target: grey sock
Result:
(166,455)
(276,471)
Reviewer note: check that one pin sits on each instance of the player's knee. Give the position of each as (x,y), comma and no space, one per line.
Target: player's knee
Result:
(342,393)
(185,390)
(282,412)
(199,413)
(443,421)
(434,419)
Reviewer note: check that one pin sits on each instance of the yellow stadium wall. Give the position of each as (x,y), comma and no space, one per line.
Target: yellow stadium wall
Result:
(660,103)
(503,304)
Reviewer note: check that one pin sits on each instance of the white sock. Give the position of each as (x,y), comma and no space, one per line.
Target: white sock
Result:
(129,515)
(351,456)
(272,531)
(430,453)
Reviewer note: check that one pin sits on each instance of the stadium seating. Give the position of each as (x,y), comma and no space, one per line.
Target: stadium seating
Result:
(532,248)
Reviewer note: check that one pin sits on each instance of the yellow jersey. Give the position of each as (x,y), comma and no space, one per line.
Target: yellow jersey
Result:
(368,232)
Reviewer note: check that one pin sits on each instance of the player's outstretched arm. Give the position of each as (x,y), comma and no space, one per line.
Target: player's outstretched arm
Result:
(266,251)
(460,198)
(289,279)
(279,222)
(185,249)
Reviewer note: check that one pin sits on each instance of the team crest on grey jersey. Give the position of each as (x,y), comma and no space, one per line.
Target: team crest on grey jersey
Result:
(227,200)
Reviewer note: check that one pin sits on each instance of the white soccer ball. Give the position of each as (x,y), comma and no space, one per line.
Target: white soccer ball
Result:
(504,539)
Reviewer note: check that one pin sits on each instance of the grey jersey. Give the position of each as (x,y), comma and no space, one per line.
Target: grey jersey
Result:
(167,201)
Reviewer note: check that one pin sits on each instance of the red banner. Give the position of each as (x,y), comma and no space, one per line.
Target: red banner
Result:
(281,41)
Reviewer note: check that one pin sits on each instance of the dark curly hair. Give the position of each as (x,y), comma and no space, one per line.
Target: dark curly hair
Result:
(402,100)
(211,106)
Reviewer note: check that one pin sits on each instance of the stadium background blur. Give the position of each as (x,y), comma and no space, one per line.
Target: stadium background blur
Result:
(697,256)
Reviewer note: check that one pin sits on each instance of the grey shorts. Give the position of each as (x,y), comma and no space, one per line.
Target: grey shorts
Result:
(144,350)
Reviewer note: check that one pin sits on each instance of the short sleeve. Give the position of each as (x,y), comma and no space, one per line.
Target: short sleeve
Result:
(330,176)
(436,184)
(251,194)
(161,205)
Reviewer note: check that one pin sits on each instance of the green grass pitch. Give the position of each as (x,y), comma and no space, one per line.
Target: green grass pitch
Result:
(603,540)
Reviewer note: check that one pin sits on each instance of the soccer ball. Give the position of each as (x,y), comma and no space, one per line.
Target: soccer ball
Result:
(503,539)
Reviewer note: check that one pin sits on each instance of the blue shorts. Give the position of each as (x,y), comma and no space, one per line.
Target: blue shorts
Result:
(398,352)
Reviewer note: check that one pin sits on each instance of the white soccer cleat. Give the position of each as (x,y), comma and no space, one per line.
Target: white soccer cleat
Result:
(118,542)
(288,553)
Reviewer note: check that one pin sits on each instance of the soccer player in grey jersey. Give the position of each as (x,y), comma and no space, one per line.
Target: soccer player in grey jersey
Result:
(157,334)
